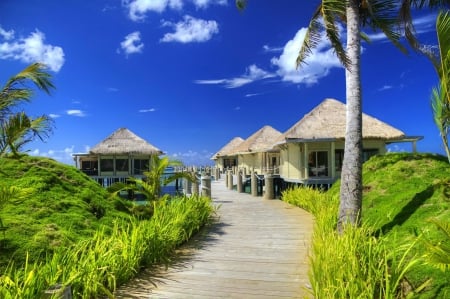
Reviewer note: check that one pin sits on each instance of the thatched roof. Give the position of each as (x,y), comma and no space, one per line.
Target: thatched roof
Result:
(261,141)
(228,148)
(123,141)
(328,121)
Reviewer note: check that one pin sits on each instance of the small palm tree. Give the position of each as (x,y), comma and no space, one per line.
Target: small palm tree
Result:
(438,255)
(440,97)
(18,129)
(150,185)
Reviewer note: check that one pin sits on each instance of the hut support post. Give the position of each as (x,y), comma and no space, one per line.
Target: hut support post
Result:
(270,192)
(254,182)
(240,188)
(230,179)
(206,185)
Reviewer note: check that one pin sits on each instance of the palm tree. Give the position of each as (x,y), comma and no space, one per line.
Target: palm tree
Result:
(17,128)
(392,20)
(150,186)
(440,98)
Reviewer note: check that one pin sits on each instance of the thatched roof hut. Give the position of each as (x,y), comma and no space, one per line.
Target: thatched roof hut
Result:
(228,148)
(261,141)
(123,141)
(328,121)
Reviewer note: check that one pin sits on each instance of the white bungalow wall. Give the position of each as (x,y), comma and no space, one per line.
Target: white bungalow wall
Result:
(294,157)
(261,162)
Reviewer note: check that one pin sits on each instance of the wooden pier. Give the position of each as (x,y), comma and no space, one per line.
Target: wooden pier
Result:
(255,248)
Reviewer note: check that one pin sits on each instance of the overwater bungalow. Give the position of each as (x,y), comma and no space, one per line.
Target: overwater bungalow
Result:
(257,152)
(121,155)
(226,157)
(312,150)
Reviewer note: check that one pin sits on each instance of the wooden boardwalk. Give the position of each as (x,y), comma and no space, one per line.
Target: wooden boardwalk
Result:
(256,248)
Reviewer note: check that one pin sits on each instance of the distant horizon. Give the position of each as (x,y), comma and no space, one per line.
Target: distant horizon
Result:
(190,75)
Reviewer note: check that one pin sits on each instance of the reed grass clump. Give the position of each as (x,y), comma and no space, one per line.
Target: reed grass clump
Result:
(95,267)
(356,263)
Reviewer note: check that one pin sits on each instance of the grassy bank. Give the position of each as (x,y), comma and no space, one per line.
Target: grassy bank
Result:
(387,257)
(67,230)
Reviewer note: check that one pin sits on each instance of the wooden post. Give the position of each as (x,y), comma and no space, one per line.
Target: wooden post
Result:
(230,179)
(254,184)
(240,188)
(226,178)
(206,186)
(217,173)
(187,186)
(270,192)
(194,186)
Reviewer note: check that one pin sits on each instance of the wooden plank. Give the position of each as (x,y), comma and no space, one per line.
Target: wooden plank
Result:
(255,248)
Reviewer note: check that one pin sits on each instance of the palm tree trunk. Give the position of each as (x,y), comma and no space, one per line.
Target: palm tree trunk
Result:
(351,177)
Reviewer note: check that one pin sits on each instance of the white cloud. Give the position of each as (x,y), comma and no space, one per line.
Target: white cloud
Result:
(7,35)
(266,48)
(191,30)
(385,87)
(147,110)
(206,3)
(317,65)
(253,73)
(249,95)
(31,49)
(63,155)
(52,115)
(76,112)
(192,157)
(132,43)
(112,89)
(137,9)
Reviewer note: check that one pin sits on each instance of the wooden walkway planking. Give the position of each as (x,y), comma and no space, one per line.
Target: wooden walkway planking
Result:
(256,248)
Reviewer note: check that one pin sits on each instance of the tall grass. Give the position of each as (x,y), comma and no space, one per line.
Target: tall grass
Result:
(354,264)
(95,267)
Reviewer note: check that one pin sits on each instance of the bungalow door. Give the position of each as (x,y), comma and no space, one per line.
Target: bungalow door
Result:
(318,164)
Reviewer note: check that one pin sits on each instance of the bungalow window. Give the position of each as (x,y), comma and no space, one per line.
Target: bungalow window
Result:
(368,153)
(90,167)
(107,165)
(141,165)
(338,159)
(121,164)
(318,164)
(228,163)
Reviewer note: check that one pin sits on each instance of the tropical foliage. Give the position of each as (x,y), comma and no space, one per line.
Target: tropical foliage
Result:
(438,253)
(399,251)
(440,97)
(150,185)
(17,128)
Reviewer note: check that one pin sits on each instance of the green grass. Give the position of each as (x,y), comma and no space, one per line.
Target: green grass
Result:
(402,193)
(63,206)
(64,228)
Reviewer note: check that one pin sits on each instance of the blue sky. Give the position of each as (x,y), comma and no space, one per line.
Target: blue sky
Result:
(190,75)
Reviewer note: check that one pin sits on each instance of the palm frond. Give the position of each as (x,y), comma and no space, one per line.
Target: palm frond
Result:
(19,129)
(443,34)
(438,255)
(312,37)
(331,11)
(36,74)
(383,15)
(16,89)
(441,116)
(241,4)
